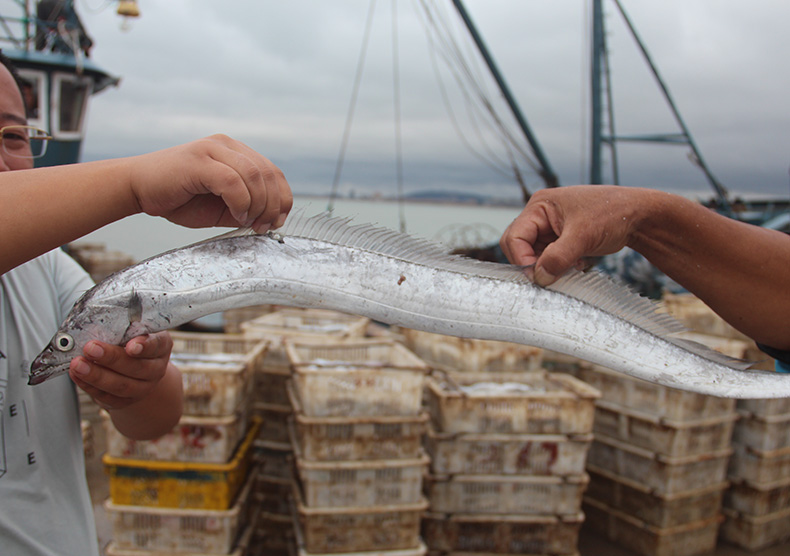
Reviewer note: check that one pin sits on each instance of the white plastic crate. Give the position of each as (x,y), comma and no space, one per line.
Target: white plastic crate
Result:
(356,438)
(502,534)
(216,370)
(663,474)
(756,532)
(361,483)
(273,494)
(273,458)
(759,467)
(357,378)
(507,454)
(654,399)
(419,551)
(532,403)
(304,323)
(771,432)
(274,417)
(232,318)
(664,436)
(635,499)
(179,530)
(757,500)
(193,439)
(274,535)
(765,408)
(505,494)
(689,539)
(471,354)
(358,529)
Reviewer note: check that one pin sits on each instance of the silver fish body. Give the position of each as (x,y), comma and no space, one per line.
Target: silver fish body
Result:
(328,263)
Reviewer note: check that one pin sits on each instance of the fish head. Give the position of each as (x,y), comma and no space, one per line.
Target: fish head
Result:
(106,323)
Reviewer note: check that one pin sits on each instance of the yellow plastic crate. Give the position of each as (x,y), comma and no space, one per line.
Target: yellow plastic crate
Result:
(175,484)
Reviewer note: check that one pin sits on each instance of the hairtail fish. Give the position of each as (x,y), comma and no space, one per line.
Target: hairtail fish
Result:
(331,263)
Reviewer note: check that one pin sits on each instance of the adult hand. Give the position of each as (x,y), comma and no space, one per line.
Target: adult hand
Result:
(558,227)
(117,377)
(215,181)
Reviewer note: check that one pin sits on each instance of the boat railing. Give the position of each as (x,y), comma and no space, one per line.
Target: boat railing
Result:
(44,26)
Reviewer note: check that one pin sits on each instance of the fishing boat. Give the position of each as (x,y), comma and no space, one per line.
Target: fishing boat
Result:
(51,49)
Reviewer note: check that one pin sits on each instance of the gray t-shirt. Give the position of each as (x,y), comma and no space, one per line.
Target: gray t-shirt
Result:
(45,506)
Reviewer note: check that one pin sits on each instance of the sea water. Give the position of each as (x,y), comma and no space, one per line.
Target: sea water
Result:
(143,236)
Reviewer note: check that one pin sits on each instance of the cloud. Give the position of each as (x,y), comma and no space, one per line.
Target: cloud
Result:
(279,76)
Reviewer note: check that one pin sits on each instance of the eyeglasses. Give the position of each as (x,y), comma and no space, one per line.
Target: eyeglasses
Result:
(24,141)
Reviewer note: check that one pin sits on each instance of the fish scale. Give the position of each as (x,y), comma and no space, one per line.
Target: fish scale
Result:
(330,263)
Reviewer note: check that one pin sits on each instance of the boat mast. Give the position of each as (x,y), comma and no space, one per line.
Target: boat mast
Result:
(599,69)
(546,172)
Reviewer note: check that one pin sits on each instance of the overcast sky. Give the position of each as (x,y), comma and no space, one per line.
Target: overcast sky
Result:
(279,76)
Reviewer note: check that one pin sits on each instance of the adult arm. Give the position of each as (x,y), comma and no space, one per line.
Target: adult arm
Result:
(739,270)
(215,181)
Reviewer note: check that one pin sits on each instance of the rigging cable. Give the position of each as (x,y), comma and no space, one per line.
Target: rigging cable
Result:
(477,101)
(397,109)
(352,105)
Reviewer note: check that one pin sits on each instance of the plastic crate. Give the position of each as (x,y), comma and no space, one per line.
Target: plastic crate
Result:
(357,378)
(358,529)
(272,494)
(471,354)
(498,494)
(173,484)
(502,534)
(271,384)
(764,408)
(654,399)
(274,421)
(759,467)
(756,532)
(216,370)
(232,318)
(179,530)
(274,459)
(690,539)
(534,403)
(274,534)
(672,438)
(419,551)
(662,474)
(758,500)
(193,439)
(507,454)
(771,432)
(356,438)
(361,483)
(288,322)
(634,499)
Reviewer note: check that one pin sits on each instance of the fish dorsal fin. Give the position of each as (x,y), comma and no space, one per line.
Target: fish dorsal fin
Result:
(592,287)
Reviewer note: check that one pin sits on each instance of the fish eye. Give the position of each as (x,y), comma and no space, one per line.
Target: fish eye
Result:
(63,342)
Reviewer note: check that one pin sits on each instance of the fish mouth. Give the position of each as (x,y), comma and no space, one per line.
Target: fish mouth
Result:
(41,372)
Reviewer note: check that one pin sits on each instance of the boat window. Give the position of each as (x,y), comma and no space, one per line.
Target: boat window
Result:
(68,105)
(35,96)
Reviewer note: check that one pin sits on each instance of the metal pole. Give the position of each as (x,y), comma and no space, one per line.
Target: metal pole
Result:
(596,140)
(546,172)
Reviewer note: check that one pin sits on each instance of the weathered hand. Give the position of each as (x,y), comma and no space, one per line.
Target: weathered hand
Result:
(215,181)
(558,227)
(117,377)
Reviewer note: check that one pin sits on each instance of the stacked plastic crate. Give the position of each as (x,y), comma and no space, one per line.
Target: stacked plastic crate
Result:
(657,466)
(757,505)
(357,432)
(189,490)
(273,451)
(508,456)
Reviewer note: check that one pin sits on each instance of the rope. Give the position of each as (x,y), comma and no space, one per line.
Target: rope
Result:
(397,109)
(352,105)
